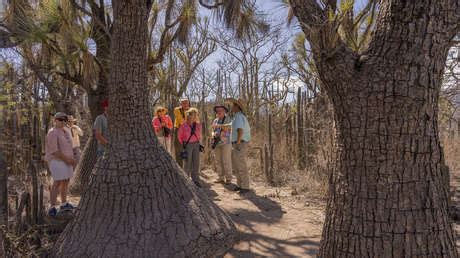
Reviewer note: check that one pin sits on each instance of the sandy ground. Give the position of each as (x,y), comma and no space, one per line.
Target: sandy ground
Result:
(272,222)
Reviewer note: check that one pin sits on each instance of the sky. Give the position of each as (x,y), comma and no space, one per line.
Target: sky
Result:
(271,9)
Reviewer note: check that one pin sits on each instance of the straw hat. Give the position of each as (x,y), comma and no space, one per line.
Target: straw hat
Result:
(191,111)
(159,109)
(238,102)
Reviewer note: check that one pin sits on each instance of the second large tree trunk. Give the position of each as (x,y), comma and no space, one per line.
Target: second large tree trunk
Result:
(388,197)
(139,203)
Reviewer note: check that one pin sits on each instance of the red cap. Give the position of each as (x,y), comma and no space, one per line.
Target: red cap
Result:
(105,103)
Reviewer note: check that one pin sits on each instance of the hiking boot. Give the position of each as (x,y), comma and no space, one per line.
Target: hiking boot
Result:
(52,212)
(67,206)
(228,182)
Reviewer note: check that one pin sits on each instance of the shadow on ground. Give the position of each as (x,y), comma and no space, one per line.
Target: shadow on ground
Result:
(254,243)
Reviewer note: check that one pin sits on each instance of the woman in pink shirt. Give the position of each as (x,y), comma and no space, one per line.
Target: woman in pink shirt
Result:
(60,158)
(189,135)
(162,125)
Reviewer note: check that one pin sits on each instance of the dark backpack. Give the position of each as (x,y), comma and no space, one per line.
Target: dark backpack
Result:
(166,130)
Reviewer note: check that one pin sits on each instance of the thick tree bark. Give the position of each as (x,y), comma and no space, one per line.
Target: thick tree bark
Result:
(387,197)
(3,201)
(85,166)
(139,203)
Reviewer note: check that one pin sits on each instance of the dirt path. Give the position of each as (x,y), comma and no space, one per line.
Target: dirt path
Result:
(272,223)
(455,187)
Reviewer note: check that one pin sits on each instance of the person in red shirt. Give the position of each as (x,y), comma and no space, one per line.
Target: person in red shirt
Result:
(189,136)
(162,125)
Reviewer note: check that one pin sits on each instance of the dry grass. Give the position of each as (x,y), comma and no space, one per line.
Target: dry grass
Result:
(451,147)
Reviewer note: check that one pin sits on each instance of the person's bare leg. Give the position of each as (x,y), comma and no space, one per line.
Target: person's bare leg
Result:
(64,186)
(54,192)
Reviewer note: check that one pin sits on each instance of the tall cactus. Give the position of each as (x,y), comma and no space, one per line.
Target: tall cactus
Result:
(268,151)
(300,134)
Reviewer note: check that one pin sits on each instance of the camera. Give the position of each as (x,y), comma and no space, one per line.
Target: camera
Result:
(215,141)
(183,154)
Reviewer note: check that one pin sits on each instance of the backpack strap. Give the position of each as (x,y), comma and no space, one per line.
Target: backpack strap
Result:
(192,133)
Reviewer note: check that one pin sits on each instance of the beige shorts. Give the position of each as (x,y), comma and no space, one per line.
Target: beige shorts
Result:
(60,170)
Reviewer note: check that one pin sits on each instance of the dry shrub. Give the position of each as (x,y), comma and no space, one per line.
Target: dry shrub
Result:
(451,147)
(319,146)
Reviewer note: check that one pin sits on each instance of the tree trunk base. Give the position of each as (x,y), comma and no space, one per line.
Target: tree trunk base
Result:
(140,205)
(84,167)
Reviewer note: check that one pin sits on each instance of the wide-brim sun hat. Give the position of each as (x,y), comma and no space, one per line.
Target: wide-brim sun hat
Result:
(191,110)
(220,106)
(237,102)
(158,109)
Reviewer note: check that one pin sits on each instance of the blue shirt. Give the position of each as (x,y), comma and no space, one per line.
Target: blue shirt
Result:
(101,125)
(240,121)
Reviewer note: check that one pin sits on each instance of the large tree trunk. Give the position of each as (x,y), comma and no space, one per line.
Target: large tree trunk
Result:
(139,203)
(3,201)
(388,196)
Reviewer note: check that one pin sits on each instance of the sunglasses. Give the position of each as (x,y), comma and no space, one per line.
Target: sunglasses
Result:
(61,119)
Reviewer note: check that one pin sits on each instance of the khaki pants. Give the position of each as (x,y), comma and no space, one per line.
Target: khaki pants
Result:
(166,142)
(239,164)
(224,161)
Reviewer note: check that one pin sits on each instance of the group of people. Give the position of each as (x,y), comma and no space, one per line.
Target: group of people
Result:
(231,135)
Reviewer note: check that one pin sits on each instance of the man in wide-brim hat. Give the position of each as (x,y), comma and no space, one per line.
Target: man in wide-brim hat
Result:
(237,102)
(221,143)
(241,136)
